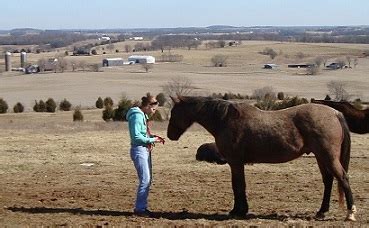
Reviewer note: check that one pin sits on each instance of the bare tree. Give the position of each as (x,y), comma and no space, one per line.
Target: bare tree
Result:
(300,55)
(62,64)
(128,48)
(95,67)
(82,64)
(337,89)
(341,63)
(318,61)
(348,59)
(356,62)
(265,92)
(110,47)
(325,59)
(42,64)
(179,86)
(147,66)
(73,64)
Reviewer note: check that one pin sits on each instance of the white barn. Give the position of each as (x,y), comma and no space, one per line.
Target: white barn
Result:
(112,62)
(141,59)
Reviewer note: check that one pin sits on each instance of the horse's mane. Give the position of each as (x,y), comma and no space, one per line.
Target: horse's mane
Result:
(217,107)
(340,105)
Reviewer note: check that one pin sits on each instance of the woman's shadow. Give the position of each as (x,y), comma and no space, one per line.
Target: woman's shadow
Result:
(165,215)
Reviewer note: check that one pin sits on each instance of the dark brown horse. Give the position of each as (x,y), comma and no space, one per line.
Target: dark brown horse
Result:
(244,134)
(357,120)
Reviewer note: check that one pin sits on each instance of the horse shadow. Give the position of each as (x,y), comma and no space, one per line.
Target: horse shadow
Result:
(160,215)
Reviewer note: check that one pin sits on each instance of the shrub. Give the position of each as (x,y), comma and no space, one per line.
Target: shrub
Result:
(65,105)
(93,52)
(39,106)
(280,96)
(358,104)
(290,102)
(269,51)
(108,102)
(260,94)
(265,104)
(50,105)
(219,60)
(18,108)
(119,114)
(35,107)
(161,99)
(77,115)
(99,103)
(95,67)
(107,113)
(3,106)
(272,104)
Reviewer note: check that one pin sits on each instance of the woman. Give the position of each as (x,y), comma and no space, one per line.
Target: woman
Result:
(141,143)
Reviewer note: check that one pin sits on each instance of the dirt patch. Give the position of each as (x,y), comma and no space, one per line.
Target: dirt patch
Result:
(45,179)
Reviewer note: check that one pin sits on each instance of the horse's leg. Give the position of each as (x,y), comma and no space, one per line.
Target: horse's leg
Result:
(342,178)
(328,182)
(241,207)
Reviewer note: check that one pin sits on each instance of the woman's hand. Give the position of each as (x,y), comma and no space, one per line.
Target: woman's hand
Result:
(159,139)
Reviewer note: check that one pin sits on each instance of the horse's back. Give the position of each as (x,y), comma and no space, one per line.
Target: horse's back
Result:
(283,135)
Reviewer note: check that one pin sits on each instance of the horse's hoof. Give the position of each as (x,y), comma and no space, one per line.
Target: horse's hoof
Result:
(351,214)
(237,214)
(251,215)
(350,218)
(320,216)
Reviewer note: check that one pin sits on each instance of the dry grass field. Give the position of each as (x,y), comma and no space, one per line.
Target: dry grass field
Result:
(57,173)
(243,74)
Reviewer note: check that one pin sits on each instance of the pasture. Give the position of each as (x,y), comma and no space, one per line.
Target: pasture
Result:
(54,172)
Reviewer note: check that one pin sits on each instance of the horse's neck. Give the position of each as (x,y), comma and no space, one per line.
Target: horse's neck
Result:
(208,120)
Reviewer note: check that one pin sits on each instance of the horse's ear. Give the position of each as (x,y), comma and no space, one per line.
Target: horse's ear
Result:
(175,99)
(233,112)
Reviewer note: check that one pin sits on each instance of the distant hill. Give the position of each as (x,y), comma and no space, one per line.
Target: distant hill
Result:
(24,31)
(221,27)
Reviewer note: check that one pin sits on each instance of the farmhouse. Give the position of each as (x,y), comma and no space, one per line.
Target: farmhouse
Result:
(112,62)
(307,65)
(136,38)
(141,59)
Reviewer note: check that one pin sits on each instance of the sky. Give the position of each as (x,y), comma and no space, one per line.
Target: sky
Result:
(94,14)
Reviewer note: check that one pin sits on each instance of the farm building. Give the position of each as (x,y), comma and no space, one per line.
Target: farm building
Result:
(112,62)
(50,64)
(141,59)
(270,66)
(307,65)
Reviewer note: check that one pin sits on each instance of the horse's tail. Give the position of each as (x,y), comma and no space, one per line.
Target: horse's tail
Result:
(345,153)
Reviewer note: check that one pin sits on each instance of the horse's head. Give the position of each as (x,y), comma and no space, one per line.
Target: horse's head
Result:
(179,119)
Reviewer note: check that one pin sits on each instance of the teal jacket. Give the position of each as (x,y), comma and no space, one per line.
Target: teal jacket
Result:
(137,127)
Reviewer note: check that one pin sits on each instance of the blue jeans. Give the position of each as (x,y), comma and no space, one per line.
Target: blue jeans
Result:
(142,161)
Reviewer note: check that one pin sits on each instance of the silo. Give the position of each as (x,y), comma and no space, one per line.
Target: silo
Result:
(23,58)
(8,64)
